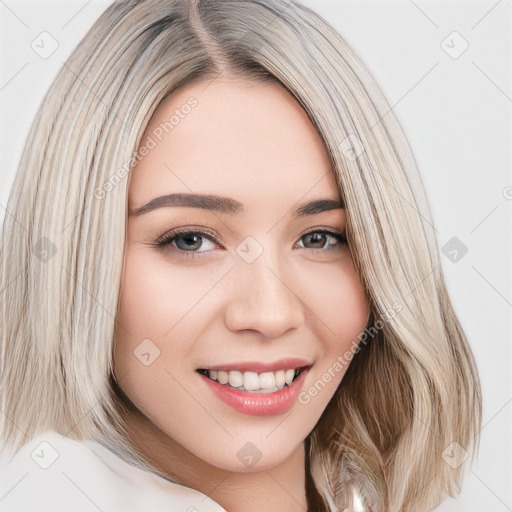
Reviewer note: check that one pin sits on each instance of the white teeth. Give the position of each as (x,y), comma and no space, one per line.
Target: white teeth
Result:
(236,379)
(288,376)
(267,382)
(279,378)
(251,381)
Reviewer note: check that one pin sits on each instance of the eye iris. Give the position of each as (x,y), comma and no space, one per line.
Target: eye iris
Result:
(317,237)
(190,239)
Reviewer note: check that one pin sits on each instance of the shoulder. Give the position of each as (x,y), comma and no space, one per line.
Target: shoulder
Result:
(56,473)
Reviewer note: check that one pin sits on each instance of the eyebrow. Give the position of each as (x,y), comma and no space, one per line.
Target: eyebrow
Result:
(230,206)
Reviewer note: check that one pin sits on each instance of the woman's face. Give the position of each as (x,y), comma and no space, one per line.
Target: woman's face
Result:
(256,290)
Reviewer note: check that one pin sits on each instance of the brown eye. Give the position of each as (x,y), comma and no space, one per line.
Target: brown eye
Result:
(317,239)
(323,239)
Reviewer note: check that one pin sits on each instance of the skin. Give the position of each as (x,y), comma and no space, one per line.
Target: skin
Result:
(254,143)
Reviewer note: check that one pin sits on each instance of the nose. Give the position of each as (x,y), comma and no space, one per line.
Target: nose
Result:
(262,300)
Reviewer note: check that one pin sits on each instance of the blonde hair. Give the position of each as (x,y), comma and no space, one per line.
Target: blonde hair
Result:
(412,389)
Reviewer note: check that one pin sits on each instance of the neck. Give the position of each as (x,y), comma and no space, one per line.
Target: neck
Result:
(280,488)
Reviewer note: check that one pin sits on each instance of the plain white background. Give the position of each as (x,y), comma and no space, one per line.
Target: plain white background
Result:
(456,112)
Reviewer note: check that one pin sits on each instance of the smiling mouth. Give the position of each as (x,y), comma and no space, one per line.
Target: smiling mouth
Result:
(265,382)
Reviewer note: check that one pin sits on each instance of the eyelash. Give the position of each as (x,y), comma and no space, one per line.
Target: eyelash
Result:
(166,240)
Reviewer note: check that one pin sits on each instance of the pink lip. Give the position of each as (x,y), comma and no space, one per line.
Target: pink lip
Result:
(282,364)
(258,404)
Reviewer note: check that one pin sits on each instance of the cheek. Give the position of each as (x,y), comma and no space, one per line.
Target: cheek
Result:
(156,295)
(141,319)
(152,301)
(337,298)
(160,312)
(340,305)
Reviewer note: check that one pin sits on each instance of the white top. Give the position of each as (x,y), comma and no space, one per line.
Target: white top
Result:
(52,473)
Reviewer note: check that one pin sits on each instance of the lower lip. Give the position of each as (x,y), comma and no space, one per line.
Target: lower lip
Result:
(258,404)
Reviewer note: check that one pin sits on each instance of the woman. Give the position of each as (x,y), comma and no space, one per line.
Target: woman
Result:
(232,284)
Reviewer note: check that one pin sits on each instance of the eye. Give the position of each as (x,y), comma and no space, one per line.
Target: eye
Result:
(320,237)
(186,242)
(189,243)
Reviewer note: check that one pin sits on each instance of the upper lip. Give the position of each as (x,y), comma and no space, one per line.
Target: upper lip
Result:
(259,367)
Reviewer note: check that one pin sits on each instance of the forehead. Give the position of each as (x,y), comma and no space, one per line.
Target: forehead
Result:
(247,140)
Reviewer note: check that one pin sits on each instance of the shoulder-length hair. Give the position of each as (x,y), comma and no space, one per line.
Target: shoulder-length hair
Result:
(413,388)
